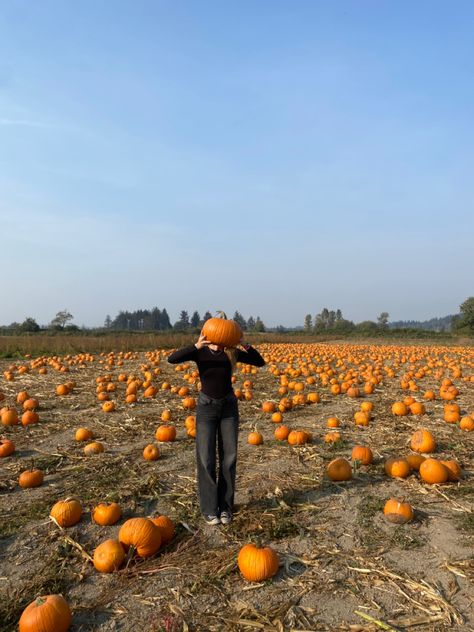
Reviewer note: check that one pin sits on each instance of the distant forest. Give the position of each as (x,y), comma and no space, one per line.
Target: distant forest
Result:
(434,324)
(328,321)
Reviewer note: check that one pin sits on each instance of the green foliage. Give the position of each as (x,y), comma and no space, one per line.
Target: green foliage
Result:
(466,320)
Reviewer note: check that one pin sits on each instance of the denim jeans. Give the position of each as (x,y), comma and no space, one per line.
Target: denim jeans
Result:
(216,420)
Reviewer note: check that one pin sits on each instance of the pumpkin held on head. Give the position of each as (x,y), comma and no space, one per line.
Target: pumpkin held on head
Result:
(222,331)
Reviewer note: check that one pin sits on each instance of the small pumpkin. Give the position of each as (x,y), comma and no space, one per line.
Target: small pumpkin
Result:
(255,438)
(166,526)
(397,467)
(31,478)
(454,470)
(96,447)
(414,461)
(165,433)
(398,512)
(29,417)
(7,447)
(142,534)
(467,423)
(9,416)
(109,556)
(106,514)
(423,441)
(47,613)
(66,512)
(339,469)
(363,454)
(332,437)
(298,437)
(108,407)
(281,433)
(433,471)
(400,409)
(83,434)
(257,563)
(151,452)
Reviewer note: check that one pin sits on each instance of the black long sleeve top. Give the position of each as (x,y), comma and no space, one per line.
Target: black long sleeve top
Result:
(215,370)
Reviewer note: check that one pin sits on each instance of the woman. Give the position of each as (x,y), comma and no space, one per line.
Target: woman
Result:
(217,417)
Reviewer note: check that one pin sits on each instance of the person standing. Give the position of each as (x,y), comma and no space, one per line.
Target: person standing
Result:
(217,422)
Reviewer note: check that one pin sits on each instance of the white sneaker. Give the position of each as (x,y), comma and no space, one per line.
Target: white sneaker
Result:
(211,519)
(226,517)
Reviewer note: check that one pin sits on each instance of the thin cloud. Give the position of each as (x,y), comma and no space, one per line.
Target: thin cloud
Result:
(22,123)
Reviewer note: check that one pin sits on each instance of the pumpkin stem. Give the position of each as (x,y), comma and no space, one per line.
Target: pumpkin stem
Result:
(221,314)
(39,601)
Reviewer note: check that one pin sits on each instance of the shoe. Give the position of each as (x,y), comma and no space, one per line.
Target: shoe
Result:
(210,519)
(226,517)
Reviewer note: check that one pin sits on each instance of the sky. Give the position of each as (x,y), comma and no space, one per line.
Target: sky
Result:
(273,157)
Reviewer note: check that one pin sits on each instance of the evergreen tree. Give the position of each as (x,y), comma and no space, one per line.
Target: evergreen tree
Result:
(308,322)
(183,323)
(165,320)
(251,323)
(108,322)
(240,320)
(206,316)
(259,326)
(331,319)
(338,315)
(195,320)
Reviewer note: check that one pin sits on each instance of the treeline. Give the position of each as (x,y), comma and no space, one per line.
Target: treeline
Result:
(433,324)
(333,322)
(148,320)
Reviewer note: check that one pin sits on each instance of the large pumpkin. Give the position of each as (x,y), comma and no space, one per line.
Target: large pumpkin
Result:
(222,332)
(433,471)
(142,534)
(49,613)
(423,441)
(339,469)
(257,564)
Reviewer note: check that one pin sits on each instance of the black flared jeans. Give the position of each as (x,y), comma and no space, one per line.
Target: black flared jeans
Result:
(217,423)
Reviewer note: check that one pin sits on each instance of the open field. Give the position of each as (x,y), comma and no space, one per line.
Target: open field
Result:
(340,560)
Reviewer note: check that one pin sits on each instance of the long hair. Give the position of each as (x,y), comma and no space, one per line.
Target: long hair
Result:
(231,353)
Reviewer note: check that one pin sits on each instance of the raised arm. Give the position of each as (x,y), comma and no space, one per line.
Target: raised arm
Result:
(183,355)
(250,356)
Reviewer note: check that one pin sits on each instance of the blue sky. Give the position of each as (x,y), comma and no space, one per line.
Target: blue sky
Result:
(272,157)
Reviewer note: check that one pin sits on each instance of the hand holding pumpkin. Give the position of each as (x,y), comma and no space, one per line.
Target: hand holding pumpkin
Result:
(202,342)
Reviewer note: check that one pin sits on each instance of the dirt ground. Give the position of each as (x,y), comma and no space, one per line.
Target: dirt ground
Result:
(342,565)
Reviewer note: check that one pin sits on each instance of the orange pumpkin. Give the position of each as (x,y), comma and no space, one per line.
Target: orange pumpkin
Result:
(255,438)
(67,512)
(257,563)
(222,332)
(47,613)
(339,470)
(106,514)
(397,467)
(142,534)
(151,452)
(165,433)
(7,447)
(166,526)
(109,556)
(433,471)
(362,454)
(31,478)
(281,433)
(398,512)
(423,441)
